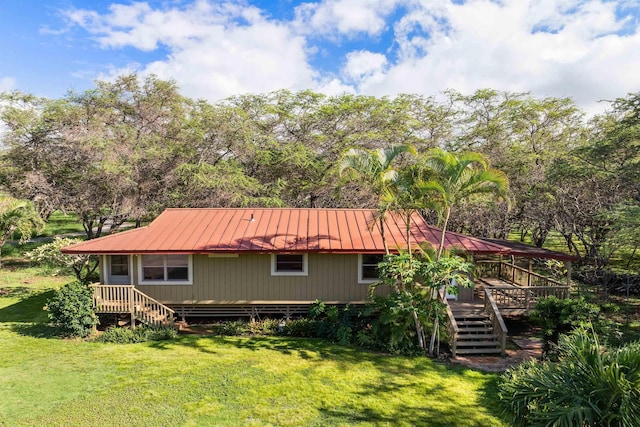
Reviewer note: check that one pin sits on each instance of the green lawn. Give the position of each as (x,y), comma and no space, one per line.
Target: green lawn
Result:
(203,380)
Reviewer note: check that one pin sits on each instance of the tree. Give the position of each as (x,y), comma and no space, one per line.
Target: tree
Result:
(83,266)
(375,169)
(17,215)
(456,177)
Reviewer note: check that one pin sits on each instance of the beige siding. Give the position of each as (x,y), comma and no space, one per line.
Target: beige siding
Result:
(247,279)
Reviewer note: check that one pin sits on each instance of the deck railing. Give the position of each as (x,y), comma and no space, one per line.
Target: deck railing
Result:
(499,327)
(520,297)
(128,299)
(514,274)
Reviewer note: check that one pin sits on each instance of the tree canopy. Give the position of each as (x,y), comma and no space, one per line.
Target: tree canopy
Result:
(127,149)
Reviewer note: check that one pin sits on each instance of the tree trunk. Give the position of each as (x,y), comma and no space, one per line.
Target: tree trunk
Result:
(409,235)
(444,231)
(384,238)
(4,238)
(419,330)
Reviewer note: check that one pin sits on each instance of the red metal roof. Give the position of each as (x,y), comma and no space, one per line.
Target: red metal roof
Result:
(276,230)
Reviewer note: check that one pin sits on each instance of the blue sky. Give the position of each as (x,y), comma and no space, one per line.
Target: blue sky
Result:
(585,49)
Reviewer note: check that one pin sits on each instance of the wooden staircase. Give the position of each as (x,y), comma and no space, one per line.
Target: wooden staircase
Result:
(475,333)
(126,299)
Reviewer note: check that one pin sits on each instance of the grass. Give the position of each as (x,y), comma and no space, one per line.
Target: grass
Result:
(204,380)
(59,224)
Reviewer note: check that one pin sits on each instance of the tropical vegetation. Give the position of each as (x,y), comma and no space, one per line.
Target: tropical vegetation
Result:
(590,385)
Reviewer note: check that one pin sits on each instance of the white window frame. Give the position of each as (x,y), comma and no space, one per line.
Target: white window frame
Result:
(189,281)
(305,266)
(362,280)
(110,265)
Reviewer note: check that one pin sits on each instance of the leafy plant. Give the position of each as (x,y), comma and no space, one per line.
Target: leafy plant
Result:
(334,323)
(398,325)
(139,334)
(71,309)
(590,385)
(82,265)
(557,316)
(303,328)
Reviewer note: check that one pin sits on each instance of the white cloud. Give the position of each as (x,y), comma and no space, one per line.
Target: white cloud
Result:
(555,48)
(364,65)
(347,17)
(215,49)
(577,48)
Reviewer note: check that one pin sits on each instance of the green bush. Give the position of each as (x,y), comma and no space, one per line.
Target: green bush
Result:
(263,327)
(335,324)
(589,385)
(231,328)
(139,334)
(303,328)
(557,316)
(71,309)
(393,326)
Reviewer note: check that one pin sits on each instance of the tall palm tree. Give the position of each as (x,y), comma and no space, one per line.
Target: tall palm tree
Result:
(17,215)
(455,177)
(375,168)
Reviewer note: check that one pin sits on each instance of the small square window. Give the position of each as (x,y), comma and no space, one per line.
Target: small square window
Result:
(289,265)
(368,267)
(119,265)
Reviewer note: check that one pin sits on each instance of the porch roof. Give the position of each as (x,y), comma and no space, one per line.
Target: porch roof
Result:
(523,250)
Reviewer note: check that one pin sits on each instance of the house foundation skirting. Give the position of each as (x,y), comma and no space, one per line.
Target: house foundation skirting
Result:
(253,311)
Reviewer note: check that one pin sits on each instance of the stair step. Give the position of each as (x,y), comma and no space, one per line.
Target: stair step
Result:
(478,351)
(488,343)
(469,314)
(473,317)
(473,323)
(488,336)
(471,329)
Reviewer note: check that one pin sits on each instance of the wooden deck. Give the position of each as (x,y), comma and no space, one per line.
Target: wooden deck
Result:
(475,322)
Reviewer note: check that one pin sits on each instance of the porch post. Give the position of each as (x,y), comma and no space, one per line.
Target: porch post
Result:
(530,271)
(567,265)
(131,307)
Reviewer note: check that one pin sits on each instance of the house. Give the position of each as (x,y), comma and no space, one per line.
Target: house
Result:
(232,262)
(236,261)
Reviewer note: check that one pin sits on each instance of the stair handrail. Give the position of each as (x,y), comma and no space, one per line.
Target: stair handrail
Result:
(452,326)
(164,311)
(130,300)
(499,327)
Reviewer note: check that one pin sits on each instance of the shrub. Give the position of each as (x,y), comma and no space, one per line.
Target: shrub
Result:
(139,334)
(231,328)
(303,328)
(393,326)
(263,327)
(335,324)
(557,316)
(71,309)
(83,266)
(590,385)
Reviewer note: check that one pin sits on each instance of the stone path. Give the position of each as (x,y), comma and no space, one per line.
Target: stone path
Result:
(528,348)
